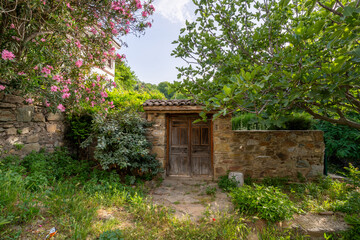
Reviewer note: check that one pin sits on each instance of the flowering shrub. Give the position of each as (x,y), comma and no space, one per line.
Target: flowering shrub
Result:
(48,48)
(121,143)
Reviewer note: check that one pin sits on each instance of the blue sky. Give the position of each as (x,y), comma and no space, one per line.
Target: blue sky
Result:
(149,56)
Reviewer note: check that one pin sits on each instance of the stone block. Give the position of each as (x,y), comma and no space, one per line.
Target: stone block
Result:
(159,151)
(39,117)
(13,99)
(11,131)
(51,128)
(7,105)
(24,114)
(25,130)
(33,138)
(12,140)
(55,117)
(302,164)
(2,95)
(28,148)
(251,142)
(6,116)
(238,177)
(316,170)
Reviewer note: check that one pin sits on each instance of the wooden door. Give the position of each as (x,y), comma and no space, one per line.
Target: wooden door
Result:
(189,147)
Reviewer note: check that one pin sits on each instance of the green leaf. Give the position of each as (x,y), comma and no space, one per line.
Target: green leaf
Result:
(227,90)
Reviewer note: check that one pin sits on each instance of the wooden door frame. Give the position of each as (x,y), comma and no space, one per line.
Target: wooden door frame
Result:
(188,115)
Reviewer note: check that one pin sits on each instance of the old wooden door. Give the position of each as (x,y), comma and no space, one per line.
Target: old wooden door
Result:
(189,147)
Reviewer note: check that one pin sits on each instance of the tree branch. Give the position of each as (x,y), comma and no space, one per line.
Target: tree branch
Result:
(34,35)
(330,9)
(341,121)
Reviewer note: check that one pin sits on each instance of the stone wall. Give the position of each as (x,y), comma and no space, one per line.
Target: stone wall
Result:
(157,136)
(24,128)
(259,154)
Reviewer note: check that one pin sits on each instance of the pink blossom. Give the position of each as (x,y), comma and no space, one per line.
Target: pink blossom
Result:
(149,24)
(93,103)
(47,104)
(104,94)
(144,14)
(152,7)
(36,68)
(7,55)
(68,5)
(43,40)
(138,5)
(21,73)
(12,26)
(114,84)
(46,70)
(61,107)
(29,100)
(87,99)
(114,31)
(66,95)
(54,88)
(58,78)
(79,63)
(2,87)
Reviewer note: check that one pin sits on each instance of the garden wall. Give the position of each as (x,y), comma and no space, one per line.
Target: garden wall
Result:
(24,128)
(257,154)
(264,153)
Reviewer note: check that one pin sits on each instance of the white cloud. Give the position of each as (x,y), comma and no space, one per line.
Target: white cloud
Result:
(177,11)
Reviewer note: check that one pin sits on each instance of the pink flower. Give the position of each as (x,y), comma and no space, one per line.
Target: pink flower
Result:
(65,95)
(12,26)
(47,104)
(68,5)
(114,31)
(92,103)
(29,100)
(79,63)
(2,87)
(36,68)
(104,94)
(43,40)
(152,7)
(87,99)
(7,55)
(61,107)
(47,69)
(54,88)
(138,5)
(21,73)
(114,84)
(144,14)
(149,24)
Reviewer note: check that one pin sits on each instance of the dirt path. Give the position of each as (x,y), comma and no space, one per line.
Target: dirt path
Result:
(189,197)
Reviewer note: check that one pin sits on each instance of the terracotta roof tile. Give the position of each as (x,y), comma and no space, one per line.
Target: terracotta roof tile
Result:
(175,102)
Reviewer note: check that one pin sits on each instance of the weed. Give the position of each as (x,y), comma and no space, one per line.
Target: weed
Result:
(226,183)
(111,235)
(266,202)
(211,191)
(176,202)
(18,146)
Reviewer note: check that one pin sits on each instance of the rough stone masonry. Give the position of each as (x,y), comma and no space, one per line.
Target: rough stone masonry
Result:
(24,128)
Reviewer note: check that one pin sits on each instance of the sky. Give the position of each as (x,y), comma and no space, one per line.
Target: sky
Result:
(149,56)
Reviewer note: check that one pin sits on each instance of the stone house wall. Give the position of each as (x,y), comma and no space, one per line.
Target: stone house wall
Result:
(157,136)
(257,154)
(260,154)
(24,128)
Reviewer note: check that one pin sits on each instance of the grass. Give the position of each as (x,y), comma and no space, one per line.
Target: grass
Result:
(44,191)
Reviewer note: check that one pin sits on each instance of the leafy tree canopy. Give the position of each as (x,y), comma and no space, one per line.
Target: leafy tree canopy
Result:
(269,57)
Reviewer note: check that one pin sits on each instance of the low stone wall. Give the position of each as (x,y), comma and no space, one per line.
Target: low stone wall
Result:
(260,154)
(24,128)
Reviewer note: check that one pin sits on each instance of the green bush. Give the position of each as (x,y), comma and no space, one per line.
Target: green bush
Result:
(267,202)
(342,143)
(227,184)
(121,144)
